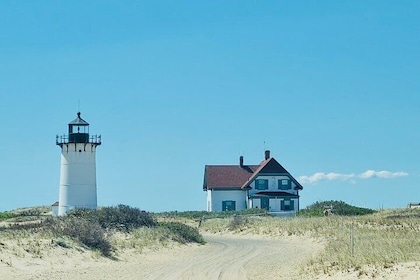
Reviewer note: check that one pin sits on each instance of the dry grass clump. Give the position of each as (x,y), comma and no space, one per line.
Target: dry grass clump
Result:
(97,230)
(88,233)
(351,243)
(138,239)
(165,234)
(354,243)
(181,233)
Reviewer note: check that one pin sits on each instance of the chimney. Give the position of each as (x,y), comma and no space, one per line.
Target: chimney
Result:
(241,161)
(267,154)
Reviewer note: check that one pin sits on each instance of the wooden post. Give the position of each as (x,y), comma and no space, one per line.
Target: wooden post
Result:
(351,240)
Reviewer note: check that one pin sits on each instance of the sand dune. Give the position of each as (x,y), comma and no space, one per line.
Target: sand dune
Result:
(224,256)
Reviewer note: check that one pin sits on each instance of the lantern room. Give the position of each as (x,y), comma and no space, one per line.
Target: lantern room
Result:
(78,133)
(78,130)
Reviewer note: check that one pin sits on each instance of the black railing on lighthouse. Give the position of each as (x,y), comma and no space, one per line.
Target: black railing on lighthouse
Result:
(78,138)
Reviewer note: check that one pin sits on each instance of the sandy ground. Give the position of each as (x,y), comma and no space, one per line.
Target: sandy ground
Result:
(223,257)
(403,271)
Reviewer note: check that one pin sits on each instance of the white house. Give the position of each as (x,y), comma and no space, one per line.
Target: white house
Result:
(237,187)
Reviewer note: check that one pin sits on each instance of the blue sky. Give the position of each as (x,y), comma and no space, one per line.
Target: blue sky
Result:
(332,88)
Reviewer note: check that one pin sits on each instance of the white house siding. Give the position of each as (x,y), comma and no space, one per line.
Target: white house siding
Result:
(274,204)
(215,199)
(255,203)
(272,184)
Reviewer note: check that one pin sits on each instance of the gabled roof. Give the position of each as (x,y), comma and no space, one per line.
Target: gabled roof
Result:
(240,177)
(227,176)
(270,166)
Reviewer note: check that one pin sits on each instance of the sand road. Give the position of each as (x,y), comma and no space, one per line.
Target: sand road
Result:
(223,257)
(228,257)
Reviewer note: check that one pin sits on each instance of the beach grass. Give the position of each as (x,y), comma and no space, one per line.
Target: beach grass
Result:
(351,243)
(28,232)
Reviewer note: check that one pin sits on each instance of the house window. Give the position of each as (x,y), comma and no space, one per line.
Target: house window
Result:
(228,205)
(287,205)
(261,184)
(285,184)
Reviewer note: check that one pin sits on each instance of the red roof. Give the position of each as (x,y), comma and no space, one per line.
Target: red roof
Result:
(227,176)
(237,177)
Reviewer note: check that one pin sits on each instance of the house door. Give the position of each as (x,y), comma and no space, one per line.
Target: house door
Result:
(265,203)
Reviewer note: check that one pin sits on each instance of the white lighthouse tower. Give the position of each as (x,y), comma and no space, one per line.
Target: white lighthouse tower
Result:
(78,167)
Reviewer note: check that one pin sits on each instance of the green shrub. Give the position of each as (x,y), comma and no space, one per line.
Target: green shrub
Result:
(204,214)
(122,217)
(6,215)
(93,228)
(89,233)
(186,214)
(34,226)
(338,208)
(32,212)
(182,233)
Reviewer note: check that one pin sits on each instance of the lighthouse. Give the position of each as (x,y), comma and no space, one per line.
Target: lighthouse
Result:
(78,167)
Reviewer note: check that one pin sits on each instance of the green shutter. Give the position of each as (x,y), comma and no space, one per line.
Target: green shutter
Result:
(261,184)
(288,186)
(291,206)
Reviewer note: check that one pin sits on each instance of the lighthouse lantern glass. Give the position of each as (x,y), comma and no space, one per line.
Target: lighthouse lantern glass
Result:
(79,129)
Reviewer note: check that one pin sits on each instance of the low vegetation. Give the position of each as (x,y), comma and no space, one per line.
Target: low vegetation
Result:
(353,242)
(335,207)
(95,229)
(122,217)
(6,215)
(356,239)
(203,215)
(182,233)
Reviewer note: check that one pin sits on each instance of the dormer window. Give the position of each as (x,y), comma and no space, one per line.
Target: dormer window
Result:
(284,184)
(261,184)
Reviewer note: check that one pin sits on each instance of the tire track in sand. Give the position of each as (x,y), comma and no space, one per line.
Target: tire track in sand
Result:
(233,257)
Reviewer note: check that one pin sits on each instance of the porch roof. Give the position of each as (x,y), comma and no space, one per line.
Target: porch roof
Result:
(275,194)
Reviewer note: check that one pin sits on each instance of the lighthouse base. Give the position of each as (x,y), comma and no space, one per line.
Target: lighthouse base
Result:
(77,177)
